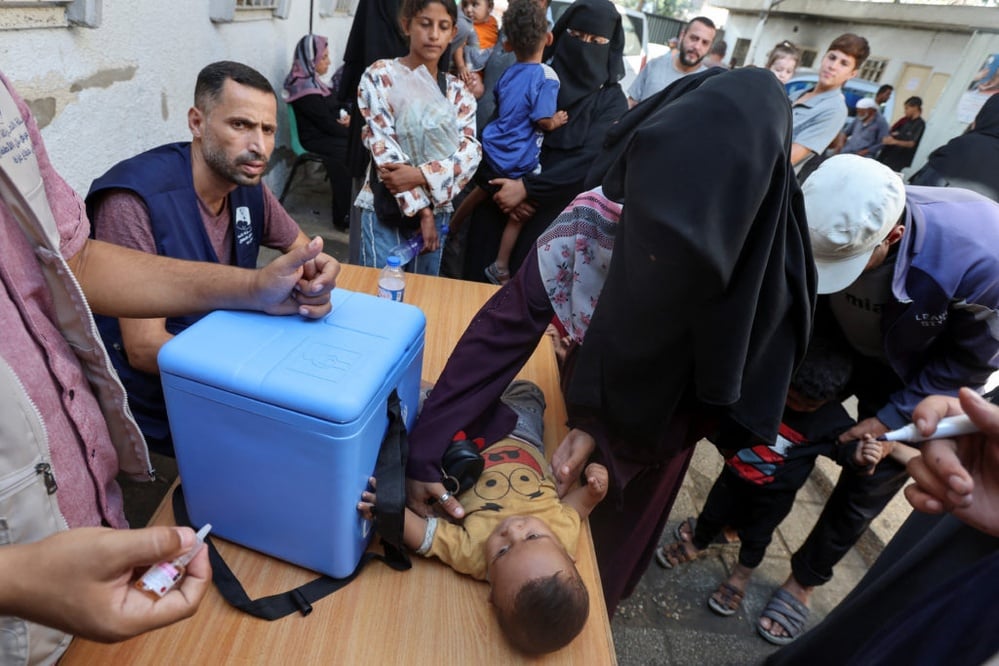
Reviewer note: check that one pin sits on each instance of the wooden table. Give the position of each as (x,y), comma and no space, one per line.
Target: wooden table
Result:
(428,615)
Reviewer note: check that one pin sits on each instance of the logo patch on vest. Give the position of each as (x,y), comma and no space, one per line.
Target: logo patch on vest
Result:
(244,230)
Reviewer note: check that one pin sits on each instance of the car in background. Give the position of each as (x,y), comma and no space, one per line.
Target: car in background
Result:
(854,90)
(636,38)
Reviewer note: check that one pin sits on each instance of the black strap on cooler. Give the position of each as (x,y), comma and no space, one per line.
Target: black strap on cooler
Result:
(390,471)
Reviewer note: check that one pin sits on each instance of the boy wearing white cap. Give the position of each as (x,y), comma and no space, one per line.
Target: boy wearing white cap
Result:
(912,277)
(865,133)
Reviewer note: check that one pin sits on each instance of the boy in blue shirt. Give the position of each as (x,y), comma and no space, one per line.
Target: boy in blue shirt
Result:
(526,98)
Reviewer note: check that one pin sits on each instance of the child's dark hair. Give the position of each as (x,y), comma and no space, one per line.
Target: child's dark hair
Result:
(408,9)
(547,613)
(824,372)
(525,26)
(852,45)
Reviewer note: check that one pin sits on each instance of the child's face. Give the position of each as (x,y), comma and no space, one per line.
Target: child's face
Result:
(836,69)
(477,10)
(522,549)
(429,32)
(783,68)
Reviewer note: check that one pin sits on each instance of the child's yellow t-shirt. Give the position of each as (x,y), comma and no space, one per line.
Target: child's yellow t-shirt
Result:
(515,481)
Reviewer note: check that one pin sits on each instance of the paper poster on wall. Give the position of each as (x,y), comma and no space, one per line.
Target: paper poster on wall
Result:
(983,85)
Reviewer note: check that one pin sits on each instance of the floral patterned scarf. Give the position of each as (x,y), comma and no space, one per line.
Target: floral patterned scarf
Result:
(573,257)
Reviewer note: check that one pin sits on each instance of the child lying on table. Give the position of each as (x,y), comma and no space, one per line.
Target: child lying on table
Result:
(517,534)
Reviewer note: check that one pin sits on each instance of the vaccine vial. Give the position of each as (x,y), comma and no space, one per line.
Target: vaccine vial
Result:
(162,577)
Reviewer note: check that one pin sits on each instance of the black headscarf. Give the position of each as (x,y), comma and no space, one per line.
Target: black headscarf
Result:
(972,159)
(584,68)
(374,34)
(620,132)
(711,287)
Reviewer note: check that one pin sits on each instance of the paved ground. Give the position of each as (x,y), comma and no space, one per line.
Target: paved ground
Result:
(667,621)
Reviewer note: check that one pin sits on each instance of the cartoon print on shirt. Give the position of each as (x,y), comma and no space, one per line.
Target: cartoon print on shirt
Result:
(509,469)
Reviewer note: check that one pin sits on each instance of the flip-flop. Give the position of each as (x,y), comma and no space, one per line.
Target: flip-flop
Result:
(677,552)
(731,599)
(786,611)
(691,523)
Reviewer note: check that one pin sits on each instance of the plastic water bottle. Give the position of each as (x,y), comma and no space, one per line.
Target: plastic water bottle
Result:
(412,246)
(392,281)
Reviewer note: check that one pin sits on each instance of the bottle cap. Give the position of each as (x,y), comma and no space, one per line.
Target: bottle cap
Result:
(199,541)
(393,261)
(203,532)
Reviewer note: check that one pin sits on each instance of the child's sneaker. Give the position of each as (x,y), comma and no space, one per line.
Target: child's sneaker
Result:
(497,275)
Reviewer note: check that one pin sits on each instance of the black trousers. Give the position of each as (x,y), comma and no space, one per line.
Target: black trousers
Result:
(854,503)
(856,500)
(755,511)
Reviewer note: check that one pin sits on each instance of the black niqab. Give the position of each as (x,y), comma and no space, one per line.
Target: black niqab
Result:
(375,34)
(584,68)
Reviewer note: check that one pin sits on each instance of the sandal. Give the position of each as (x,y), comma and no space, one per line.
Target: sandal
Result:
(786,611)
(497,275)
(687,535)
(675,554)
(726,599)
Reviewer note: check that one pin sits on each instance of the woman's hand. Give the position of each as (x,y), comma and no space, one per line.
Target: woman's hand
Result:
(399,178)
(511,193)
(424,498)
(570,457)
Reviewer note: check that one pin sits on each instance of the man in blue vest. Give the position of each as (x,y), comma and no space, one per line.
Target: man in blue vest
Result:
(202,201)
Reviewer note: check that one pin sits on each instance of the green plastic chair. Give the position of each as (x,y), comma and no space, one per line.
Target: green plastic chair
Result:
(301,154)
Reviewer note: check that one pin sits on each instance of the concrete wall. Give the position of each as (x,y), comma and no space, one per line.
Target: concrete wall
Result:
(103,94)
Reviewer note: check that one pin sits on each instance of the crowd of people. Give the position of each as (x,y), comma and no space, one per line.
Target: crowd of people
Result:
(680,315)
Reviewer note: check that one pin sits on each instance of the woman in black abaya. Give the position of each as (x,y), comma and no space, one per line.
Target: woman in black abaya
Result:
(701,312)
(588,73)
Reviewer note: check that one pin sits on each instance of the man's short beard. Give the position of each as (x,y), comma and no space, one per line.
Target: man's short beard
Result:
(217,161)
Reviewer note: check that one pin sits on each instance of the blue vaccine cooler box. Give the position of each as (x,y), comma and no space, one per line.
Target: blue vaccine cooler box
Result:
(277,422)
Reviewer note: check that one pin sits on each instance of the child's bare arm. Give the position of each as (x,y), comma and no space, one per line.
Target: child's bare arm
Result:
(414,525)
(585,498)
(903,453)
(459,64)
(548,124)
